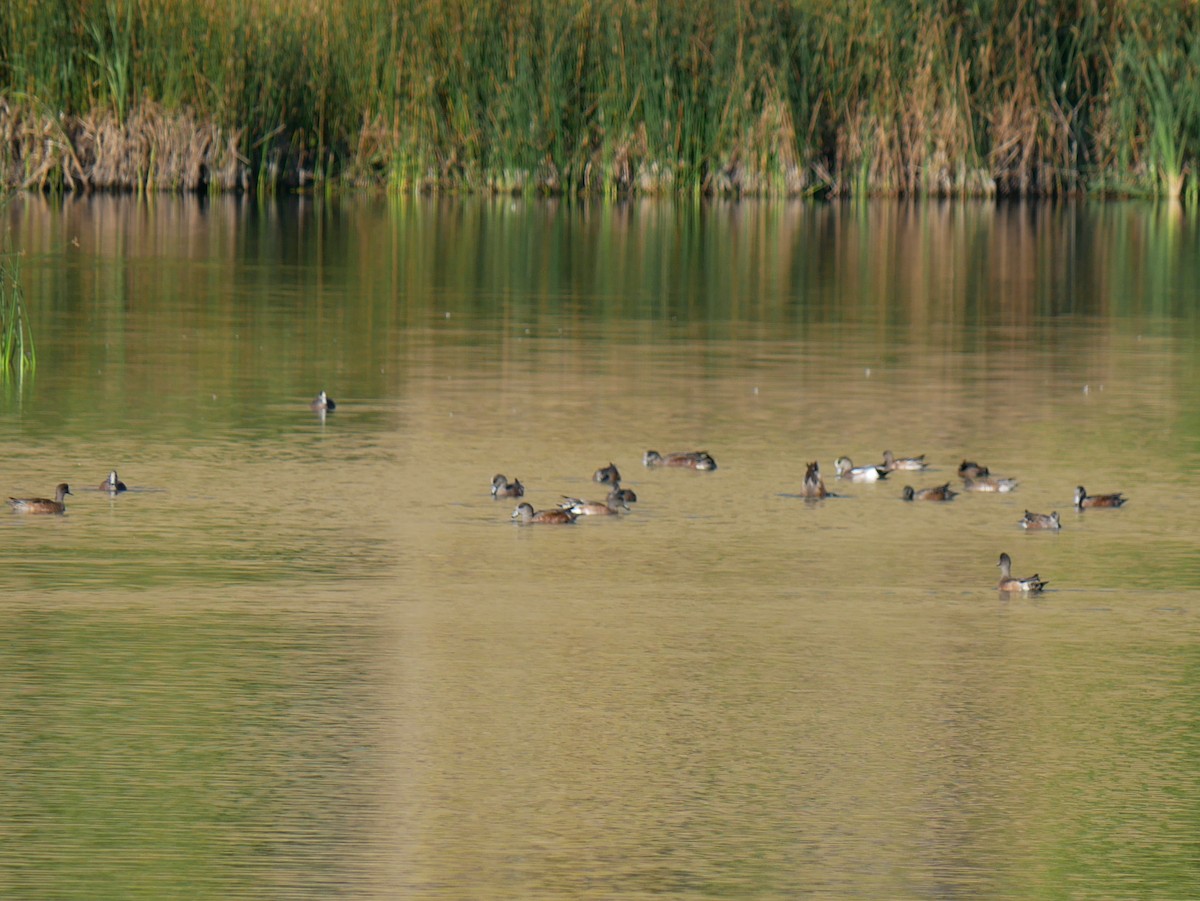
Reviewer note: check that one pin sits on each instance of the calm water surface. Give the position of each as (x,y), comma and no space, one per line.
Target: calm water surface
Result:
(307,657)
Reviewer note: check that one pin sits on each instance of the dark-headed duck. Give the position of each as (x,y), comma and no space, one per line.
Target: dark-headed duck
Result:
(607,475)
(1083,499)
(112,484)
(970,470)
(938,493)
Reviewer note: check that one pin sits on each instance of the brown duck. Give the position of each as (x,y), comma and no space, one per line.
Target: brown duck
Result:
(42,504)
(688,459)
(939,493)
(1029,585)
(526,513)
(1083,499)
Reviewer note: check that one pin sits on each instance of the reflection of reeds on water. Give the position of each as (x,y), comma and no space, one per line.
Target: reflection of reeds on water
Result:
(644,96)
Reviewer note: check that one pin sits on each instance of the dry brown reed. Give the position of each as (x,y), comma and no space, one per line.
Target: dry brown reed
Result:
(150,150)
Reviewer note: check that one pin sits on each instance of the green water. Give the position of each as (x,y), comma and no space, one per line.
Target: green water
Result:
(309,656)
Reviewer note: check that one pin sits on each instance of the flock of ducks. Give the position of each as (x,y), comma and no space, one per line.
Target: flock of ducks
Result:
(974,478)
(618,498)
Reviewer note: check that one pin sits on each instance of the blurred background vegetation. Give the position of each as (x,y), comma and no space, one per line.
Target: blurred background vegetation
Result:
(603,97)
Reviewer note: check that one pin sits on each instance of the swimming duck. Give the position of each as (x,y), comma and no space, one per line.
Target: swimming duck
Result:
(1083,499)
(112,484)
(847,470)
(891,462)
(502,487)
(970,470)
(626,494)
(611,506)
(1030,585)
(987,483)
(1040,521)
(607,475)
(42,504)
(689,459)
(814,487)
(939,493)
(323,402)
(526,513)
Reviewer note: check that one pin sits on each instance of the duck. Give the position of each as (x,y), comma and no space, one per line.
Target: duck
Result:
(1040,521)
(612,505)
(689,459)
(1083,499)
(502,487)
(968,469)
(814,487)
(42,504)
(938,493)
(112,484)
(846,469)
(1030,585)
(988,483)
(891,463)
(607,475)
(525,513)
(628,495)
(322,402)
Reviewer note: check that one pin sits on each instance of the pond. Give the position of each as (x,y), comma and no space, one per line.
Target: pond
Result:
(309,655)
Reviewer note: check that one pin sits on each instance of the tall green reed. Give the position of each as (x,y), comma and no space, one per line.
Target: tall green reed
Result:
(1159,117)
(112,34)
(608,96)
(18,356)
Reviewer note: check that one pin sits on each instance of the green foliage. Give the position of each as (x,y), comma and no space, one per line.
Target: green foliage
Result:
(112,35)
(17,356)
(1161,115)
(610,96)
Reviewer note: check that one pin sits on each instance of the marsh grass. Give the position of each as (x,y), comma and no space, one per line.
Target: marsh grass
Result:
(731,97)
(18,357)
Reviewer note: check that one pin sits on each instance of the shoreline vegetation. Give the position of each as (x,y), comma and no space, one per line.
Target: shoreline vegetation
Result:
(830,98)
(17,354)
